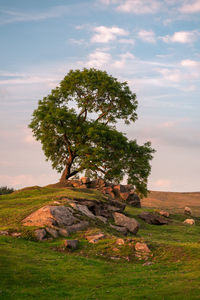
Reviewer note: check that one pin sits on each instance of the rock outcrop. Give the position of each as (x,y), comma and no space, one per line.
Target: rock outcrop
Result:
(120,192)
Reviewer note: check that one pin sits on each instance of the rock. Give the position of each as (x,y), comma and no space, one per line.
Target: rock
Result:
(95,238)
(76,227)
(16,234)
(130,223)
(52,232)
(148,263)
(40,234)
(124,196)
(187,211)
(83,209)
(85,180)
(164,213)
(142,247)
(189,221)
(133,200)
(102,219)
(51,216)
(4,232)
(122,230)
(118,204)
(72,244)
(154,219)
(115,249)
(119,188)
(120,242)
(63,232)
(142,251)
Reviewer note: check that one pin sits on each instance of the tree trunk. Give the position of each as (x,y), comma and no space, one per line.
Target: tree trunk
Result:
(65,174)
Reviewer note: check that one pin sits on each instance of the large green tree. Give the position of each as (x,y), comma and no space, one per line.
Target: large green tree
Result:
(76,126)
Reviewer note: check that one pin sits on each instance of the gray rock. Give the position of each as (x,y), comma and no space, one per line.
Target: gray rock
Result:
(82,209)
(51,216)
(40,234)
(72,244)
(52,232)
(103,219)
(122,230)
(133,200)
(153,219)
(130,223)
(76,227)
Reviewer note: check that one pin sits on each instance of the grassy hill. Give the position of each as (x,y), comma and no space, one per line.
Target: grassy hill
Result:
(173,201)
(42,270)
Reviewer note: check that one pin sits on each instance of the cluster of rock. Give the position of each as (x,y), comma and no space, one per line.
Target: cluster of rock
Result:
(75,215)
(121,192)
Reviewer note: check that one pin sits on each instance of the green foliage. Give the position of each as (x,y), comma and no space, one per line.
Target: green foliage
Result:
(75,125)
(6,190)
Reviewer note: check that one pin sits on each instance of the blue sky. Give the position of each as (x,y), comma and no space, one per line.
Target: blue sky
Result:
(152,44)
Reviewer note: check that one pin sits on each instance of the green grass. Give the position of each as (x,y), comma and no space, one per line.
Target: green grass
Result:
(42,270)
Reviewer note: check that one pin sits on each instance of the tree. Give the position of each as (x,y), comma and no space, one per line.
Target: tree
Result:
(76,126)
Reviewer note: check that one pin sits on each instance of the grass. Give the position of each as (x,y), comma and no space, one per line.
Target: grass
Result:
(43,270)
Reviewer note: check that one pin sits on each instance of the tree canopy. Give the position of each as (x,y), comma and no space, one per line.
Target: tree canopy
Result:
(76,126)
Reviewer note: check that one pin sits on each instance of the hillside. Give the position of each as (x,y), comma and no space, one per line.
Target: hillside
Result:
(105,270)
(173,201)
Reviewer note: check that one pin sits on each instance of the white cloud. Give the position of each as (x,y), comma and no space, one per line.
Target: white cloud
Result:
(139,7)
(28,137)
(11,16)
(147,36)
(190,63)
(105,34)
(124,58)
(181,37)
(98,59)
(177,75)
(190,7)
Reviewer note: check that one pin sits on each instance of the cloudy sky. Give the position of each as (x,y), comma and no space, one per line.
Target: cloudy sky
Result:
(152,44)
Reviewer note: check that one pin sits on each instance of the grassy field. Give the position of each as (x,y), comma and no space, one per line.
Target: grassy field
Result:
(42,270)
(173,201)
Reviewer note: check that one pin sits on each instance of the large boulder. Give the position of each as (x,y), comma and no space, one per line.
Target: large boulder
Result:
(133,200)
(154,219)
(51,216)
(130,223)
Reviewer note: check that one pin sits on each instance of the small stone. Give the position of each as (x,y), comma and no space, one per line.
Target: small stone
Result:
(189,221)
(148,263)
(187,211)
(16,234)
(52,232)
(63,232)
(95,238)
(77,227)
(4,232)
(72,244)
(120,242)
(164,213)
(115,249)
(40,234)
(142,247)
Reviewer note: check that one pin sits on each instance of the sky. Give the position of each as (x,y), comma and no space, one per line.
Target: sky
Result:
(152,44)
